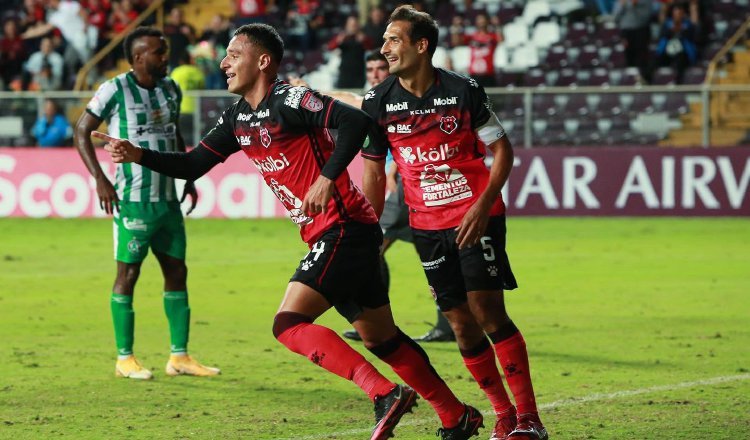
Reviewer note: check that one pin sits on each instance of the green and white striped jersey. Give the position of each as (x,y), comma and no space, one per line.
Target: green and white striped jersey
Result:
(147,118)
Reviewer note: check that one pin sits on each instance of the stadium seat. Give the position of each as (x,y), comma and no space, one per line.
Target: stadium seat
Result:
(516,34)
(583,77)
(543,104)
(578,34)
(567,77)
(577,105)
(589,57)
(508,14)
(441,57)
(461,57)
(642,103)
(676,104)
(545,34)
(501,57)
(600,77)
(664,76)
(556,57)
(534,10)
(524,57)
(630,77)
(694,75)
(534,78)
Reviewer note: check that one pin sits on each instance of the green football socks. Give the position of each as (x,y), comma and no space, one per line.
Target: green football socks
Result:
(123,318)
(178,314)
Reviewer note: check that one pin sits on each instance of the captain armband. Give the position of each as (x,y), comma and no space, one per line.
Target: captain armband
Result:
(490,131)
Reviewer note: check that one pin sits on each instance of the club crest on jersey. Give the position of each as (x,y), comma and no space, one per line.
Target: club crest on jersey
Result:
(265,137)
(369,95)
(311,102)
(448,124)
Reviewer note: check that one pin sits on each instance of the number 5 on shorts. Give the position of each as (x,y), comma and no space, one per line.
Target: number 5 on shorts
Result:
(489,252)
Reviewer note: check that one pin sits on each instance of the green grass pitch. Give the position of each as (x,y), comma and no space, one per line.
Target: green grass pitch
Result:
(636,329)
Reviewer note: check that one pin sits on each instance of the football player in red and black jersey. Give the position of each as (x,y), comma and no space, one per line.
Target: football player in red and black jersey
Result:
(283,130)
(438,126)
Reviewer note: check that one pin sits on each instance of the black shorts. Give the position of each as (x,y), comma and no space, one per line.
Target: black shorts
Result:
(344,266)
(452,272)
(395,218)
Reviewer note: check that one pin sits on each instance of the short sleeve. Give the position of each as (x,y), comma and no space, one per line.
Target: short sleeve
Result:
(301,108)
(480,105)
(104,103)
(376,147)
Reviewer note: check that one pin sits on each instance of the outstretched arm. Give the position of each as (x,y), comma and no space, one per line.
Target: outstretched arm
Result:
(188,166)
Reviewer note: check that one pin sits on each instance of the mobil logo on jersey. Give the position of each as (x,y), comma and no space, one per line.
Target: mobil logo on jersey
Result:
(453,100)
(271,164)
(397,107)
(441,153)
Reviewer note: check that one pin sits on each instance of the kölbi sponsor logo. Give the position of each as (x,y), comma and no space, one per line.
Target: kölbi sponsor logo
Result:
(439,154)
(271,164)
(445,101)
(397,107)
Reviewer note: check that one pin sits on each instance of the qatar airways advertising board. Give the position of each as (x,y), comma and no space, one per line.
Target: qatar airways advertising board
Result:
(544,181)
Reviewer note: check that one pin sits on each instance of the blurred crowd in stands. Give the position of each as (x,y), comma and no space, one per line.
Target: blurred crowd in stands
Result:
(43,43)
(508,43)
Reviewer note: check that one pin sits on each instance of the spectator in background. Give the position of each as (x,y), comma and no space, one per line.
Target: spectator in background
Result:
(676,46)
(180,35)
(633,17)
(301,21)
(353,44)
(12,55)
(189,77)
(482,43)
(32,14)
(98,14)
(44,69)
(457,31)
(52,129)
(122,15)
(217,31)
(70,19)
(375,26)
(251,11)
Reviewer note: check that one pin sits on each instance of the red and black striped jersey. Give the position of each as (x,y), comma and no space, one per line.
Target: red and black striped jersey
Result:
(435,141)
(287,139)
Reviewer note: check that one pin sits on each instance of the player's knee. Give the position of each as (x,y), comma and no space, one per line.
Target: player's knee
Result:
(178,273)
(283,321)
(129,275)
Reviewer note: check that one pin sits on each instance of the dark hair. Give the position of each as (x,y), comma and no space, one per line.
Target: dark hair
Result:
(139,32)
(264,36)
(375,55)
(422,25)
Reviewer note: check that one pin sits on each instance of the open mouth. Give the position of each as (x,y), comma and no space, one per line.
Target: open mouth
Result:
(230,76)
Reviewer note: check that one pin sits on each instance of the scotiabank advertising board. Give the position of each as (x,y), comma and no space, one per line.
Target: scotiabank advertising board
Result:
(544,181)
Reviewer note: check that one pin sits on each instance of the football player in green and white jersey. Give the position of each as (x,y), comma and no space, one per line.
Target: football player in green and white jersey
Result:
(143,106)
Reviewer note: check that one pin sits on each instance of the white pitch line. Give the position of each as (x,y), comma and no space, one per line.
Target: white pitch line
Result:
(559,403)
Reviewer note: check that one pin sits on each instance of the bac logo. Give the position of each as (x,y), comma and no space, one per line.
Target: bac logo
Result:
(448,124)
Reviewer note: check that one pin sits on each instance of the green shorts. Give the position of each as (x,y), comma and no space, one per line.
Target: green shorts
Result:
(156,224)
